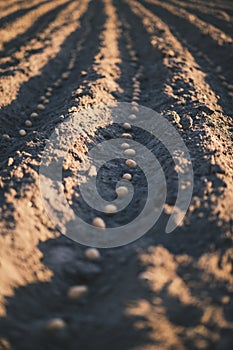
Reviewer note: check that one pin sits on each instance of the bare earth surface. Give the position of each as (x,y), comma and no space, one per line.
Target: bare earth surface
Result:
(163,291)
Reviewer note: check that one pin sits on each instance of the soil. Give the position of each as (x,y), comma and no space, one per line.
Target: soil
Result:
(163,291)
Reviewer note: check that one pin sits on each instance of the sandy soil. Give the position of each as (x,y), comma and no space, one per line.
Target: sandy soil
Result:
(162,291)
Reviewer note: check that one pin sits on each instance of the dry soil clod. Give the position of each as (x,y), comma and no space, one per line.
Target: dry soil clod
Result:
(65,75)
(10,161)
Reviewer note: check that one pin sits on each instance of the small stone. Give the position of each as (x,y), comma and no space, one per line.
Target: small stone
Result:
(71,66)
(126,126)
(49,89)
(136,85)
(57,83)
(110,209)
(135,109)
(230,94)
(127,177)
(124,145)
(34,114)
(46,101)
(65,75)
(133,103)
(126,136)
(132,117)
(42,98)
(10,161)
(122,191)
(56,324)
(230,87)
(92,254)
(28,123)
(40,107)
(83,73)
(77,292)
(218,69)
(131,163)
(48,94)
(99,222)
(6,137)
(130,152)
(22,132)
(221,77)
